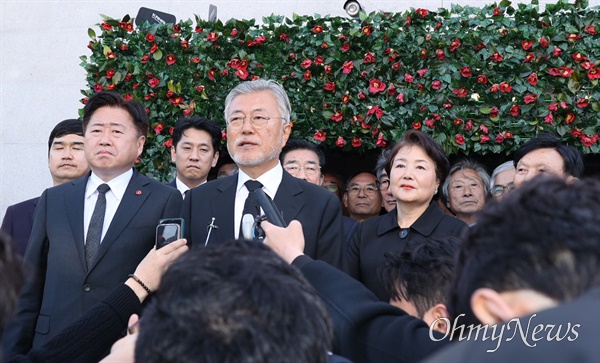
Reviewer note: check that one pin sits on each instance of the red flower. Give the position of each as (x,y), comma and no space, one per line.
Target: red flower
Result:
(496,57)
(422,72)
(168,143)
(461,92)
(153,82)
(111,55)
(573,37)
(530,98)
(234,33)
(430,123)
(408,78)
(380,141)
(356,142)
(340,142)
(306,63)
(110,73)
(423,53)
(589,140)
(319,60)
(440,54)
(497,12)
(480,46)
(317,29)
(590,29)
(447,106)
(337,117)
(362,96)
(578,57)
(396,66)
(195,60)
(375,110)
(505,87)
(242,73)
(421,87)
(454,45)
(199,29)
(106,26)
(582,103)
(422,12)
(376,85)
(532,79)
(436,85)
(150,37)
(515,110)
(400,97)
(98,88)
(366,30)
(223,133)
(212,73)
(127,77)
(369,58)
(329,86)
(200,88)
(482,79)
(458,122)
(549,119)
(212,37)
(529,57)
(556,52)
(225,72)
(171,59)
(570,118)
(460,139)
(327,68)
(307,75)
(345,99)
(493,114)
(345,47)
(562,71)
(469,125)
(594,73)
(416,125)
(553,106)
(347,67)
(483,139)
(185,44)
(126,26)
(284,37)
(544,42)
(466,72)
(391,90)
(124,47)
(499,138)
(408,21)
(587,65)
(320,136)
(526,44)
(154,48)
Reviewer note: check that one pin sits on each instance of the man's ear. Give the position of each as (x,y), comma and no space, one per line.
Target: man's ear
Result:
(215,159)
(345,199)
(489,307)
(173,153)
(438,314)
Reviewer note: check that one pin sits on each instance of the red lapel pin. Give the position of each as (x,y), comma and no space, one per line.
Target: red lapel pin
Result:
(138,192)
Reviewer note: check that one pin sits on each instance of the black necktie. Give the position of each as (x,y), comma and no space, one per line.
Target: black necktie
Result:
(251,205)
(186,193)
(94,234)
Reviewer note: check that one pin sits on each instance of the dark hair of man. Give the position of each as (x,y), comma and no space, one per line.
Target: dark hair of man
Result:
(422,273)
(299,144)
(66,127)
(234,302)
(572,160)
(201,124)
(11,277)
(381,163)
(430,146)
(115,100)
(542,237)
(350,179)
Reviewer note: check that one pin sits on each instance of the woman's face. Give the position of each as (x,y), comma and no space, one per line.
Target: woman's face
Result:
(412,176)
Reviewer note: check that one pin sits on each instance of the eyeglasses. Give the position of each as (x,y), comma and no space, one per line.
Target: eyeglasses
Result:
(309,169)
(384,184)
(258,121)
(499,190)
(368,190)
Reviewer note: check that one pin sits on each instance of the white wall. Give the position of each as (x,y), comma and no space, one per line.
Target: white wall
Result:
(40,77)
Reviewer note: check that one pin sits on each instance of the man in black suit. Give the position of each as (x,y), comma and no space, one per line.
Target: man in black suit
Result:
(258,126)
(195,150)
(66,162)
(89,234)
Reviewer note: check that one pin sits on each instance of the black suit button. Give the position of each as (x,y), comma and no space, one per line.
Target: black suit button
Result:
(87,288)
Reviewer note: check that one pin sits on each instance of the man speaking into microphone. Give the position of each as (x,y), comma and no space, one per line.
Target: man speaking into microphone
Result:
(258,125)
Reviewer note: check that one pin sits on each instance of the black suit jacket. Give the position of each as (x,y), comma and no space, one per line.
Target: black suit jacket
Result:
(17,223)
(316,208)
(366,329)
(61,288)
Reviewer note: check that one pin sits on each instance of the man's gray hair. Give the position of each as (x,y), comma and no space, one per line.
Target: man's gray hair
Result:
(508,165)
(467,164)
(259,85)
(382,161)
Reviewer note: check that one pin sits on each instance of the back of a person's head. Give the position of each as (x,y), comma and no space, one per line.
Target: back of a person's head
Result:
(573,164)
(234,302)
(421,273)
(542,237)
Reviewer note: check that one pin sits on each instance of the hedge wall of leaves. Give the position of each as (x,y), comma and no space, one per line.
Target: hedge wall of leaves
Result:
(479,80)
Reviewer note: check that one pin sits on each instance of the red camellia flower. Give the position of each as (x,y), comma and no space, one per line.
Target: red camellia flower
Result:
(440,54)
(526,44)
(422,12)
(168,143)
(337,117)
(515,110)
(340,142)
(234,33)
(447,106)
(493,114)
(530,98)
(375,110)
(150,37)
(544,42)
(391,90)
(482,79)
(366,30)
(106,26)
(573,37)
(154,82)
(200,88)
(422,72)
(242,73)
(329,86)
(317,29)
(124,47)
(529,57)
(460,139)
(319,61)
(128,77)
(195,60)
(284,37)
(320,136)
(466,72)
(423,53)
(212,37)
(380,141)
(436,85)
(408,78)
(590,29)
(154,48)
(306,63)
(110,73)
(582,103)
(587,65)
(469,125)
(589,140)
(553,106)
(396,66)
(362,96)
(185,44)
(400,97)
(499,138)
(562,71)
(480,46)
(594,73)
(430,123)
(212,73)
(356,142)
(111,55)
(505,87)
(327,68)
(483,139)
(549,119)
(454,45)
(345,99)
(532,79)
(578,57)
(171,59)
(307,75)
(458,121)
(225,72)
(461,92)
(416,125)
(369,58)
(187,112)
(496,57)
(376,85)
(111,87)
(497,12)
(569,118)
(345,47)
(556,52)
(347,67)
(98,88)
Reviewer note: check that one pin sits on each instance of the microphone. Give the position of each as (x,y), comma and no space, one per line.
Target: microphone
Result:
(247,224)
(268,206)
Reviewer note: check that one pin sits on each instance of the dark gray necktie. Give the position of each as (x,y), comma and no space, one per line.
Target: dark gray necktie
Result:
(94,234)
(251,205)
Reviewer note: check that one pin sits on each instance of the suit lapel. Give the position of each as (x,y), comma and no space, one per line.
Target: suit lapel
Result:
(289,197)
(222,208)
(135,195)
(74,205)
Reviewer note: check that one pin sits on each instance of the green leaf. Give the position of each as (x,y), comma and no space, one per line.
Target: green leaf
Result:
(157,55)
(92,33)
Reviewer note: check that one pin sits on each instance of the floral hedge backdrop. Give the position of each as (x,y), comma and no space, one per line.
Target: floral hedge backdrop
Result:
(479,80)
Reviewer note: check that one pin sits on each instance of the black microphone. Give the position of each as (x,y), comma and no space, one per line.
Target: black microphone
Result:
(268,206)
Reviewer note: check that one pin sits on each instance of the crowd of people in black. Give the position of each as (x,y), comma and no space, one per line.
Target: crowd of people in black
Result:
(414,260)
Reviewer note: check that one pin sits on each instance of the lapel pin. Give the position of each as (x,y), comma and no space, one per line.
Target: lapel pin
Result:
(138,192)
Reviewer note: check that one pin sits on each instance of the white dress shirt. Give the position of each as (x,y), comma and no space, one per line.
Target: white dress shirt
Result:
(184,188)
(113,198)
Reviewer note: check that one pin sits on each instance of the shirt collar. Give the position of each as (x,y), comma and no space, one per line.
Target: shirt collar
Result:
(117,185)
(270,180)
(424,225)
(182,187)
